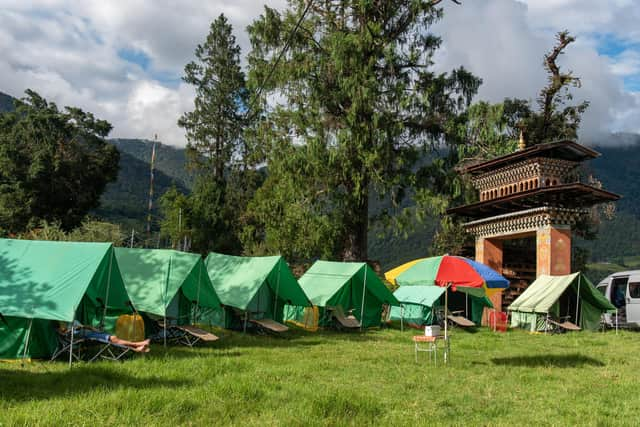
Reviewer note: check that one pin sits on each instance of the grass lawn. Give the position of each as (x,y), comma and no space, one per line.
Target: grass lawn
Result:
(336,379)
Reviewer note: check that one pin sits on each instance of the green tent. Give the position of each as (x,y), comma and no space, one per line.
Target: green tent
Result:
(165,282)
(255,287)
(572,295)
(418,304)
(44,282)
(346,284)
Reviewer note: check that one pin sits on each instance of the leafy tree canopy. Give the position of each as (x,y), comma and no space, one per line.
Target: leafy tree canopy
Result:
(54,165)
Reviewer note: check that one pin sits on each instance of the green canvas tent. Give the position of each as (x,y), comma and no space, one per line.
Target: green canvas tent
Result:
(351,285)
(167,283)
(572,295)
(418,304)
(43,282)
(255,287)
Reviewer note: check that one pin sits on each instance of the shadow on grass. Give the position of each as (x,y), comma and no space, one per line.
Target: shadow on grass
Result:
(556,360)
(22,385)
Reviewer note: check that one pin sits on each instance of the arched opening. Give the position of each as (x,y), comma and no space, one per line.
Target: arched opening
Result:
(526,186)
(554,182)
(535,183)
(521,186)
(547,182)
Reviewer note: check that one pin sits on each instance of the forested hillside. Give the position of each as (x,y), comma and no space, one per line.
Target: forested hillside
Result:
(125,201)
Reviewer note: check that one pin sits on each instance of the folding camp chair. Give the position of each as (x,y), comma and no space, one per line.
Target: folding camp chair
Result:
(75,342)
(188,335)
(269,326)
(342,321)
(560,326)
(455,319)
(65,345)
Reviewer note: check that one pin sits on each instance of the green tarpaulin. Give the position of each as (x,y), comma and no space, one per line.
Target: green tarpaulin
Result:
(55,281)
(165,282)
(559,296)
(329,283)
(256,286)
(418,304)
(421,301)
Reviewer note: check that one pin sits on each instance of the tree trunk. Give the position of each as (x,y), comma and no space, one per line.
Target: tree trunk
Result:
(355,241)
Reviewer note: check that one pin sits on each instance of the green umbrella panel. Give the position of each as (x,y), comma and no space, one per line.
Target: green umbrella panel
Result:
(154,278)
(347,284)
(42,282)
(260,286)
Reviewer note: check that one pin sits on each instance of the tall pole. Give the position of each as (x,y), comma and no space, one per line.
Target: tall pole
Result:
(132,234)
(179,226)
(150,205)
(446,307)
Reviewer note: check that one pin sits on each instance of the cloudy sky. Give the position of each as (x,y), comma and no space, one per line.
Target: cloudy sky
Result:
(123,59)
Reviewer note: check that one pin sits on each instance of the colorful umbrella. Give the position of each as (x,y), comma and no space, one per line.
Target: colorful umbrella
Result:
(459,273)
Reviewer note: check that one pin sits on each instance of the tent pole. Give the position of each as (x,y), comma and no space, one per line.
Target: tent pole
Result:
(364,288)
(71,346)
(466,305)
(275,301)
(26,344)
(106,297)
(197,316)
(401,317)
(578,302)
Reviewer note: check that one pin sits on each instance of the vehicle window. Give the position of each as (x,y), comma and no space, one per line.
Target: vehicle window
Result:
(602,289)
(619,291)
(634,290)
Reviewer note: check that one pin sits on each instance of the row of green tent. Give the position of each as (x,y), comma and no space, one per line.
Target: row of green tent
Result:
(43,283)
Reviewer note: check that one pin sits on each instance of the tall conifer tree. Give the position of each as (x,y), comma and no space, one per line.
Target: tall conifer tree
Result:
(357,95)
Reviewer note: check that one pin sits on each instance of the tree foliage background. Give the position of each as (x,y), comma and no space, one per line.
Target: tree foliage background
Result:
(357,103)
(54,165)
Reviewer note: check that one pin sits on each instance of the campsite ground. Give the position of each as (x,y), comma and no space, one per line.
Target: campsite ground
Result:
(335,379)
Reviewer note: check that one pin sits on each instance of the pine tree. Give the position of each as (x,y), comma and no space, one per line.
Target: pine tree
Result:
(355,86)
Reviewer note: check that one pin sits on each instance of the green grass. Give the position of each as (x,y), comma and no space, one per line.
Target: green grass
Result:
(340,379)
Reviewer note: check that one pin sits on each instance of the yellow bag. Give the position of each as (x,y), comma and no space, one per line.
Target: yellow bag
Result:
(130,327)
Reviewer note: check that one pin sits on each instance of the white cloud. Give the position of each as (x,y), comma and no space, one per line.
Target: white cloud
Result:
(69,52)
(504,42)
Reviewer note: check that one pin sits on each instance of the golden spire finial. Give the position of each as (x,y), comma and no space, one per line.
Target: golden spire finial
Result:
(521,144)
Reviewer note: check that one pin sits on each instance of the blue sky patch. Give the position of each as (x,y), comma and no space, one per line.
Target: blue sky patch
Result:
(135,56)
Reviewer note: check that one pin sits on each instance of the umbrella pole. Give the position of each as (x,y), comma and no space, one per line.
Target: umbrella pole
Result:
(446,307)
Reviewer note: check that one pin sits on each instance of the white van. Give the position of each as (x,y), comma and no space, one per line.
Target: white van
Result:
(623,291)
